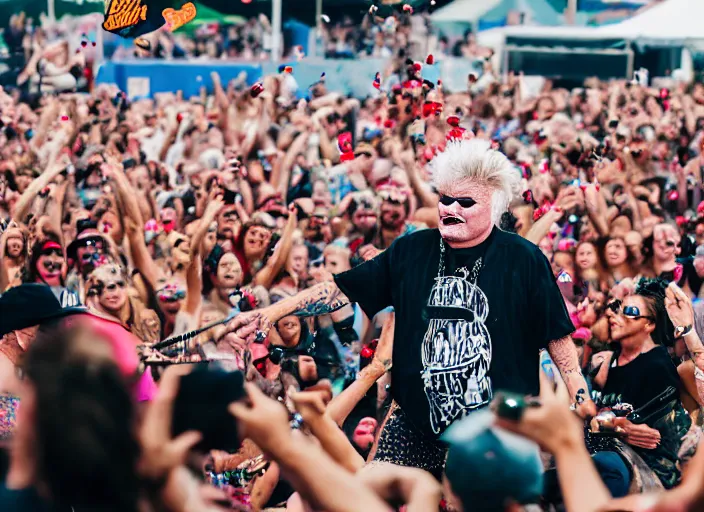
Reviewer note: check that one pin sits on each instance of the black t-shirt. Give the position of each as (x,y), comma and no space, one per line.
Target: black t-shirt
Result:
(456,343)
(643,379)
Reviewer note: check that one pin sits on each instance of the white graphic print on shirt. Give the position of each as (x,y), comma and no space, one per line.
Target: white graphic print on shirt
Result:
(456,353)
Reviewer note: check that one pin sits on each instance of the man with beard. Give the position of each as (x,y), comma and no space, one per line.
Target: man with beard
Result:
(488,291)
(107,296)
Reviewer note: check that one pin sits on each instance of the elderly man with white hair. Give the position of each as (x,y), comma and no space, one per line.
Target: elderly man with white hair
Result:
(474,306)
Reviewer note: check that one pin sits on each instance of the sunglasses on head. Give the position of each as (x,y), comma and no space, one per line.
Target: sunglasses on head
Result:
(627,311)
(464,202)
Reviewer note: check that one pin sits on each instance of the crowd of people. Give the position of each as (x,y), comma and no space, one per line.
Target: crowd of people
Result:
(277,297)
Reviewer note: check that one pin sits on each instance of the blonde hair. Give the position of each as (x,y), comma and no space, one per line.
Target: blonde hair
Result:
(474,159)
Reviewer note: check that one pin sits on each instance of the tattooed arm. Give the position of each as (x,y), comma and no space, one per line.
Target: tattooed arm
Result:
(564,355)
(321,299)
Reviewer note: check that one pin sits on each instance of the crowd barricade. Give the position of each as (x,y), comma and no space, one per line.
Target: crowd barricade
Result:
(146,77)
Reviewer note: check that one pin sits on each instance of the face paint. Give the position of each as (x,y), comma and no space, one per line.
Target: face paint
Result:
(49,264)
(468,216)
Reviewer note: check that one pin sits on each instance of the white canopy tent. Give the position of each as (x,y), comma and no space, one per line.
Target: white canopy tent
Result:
(464,11)
(671,22)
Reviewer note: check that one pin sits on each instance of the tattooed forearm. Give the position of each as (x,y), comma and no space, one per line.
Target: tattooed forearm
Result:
(321,299)
(564,355)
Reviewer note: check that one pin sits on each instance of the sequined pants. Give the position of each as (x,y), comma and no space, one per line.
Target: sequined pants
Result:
(401,443)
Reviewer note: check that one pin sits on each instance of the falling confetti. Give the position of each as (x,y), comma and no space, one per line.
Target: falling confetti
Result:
(256,90)
(407,8)
(432,108)
(366,353)
(325,18)
(430,60)
(377,81)
(344,144)
(64,118)
(373,9)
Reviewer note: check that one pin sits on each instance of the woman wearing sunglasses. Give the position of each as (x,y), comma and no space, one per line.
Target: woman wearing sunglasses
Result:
(107,295)
(635,375)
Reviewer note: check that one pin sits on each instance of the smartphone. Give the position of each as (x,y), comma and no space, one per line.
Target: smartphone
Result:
(128,163)
(230,196)
(201,405)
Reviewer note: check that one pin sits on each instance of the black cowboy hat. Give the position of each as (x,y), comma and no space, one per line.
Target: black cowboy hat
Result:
(87,234)
(31,304)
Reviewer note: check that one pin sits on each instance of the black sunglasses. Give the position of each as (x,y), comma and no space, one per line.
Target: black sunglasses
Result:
(464,202)
(627,311)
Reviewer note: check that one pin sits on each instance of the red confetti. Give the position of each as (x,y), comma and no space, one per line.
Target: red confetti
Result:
(389,123)
(407,8)
(344,144)
(256,90)
(431,108)
(680,220)
(430,60)
(673,195)
(179,117)
(664,94)
(678,271)
(64,118)
(417,66)
(544,166)
(288,69)
(366,353)
(453,121)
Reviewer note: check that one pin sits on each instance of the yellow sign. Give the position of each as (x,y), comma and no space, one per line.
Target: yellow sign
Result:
(124,13)
(176,19)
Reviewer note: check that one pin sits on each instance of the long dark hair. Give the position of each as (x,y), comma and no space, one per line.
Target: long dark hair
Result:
(653,292)
(87,451)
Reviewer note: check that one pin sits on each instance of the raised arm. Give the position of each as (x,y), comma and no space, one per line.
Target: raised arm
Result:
(194,276)
(25,201)
(564,355)
(134,225)
(265,277)
(342,405)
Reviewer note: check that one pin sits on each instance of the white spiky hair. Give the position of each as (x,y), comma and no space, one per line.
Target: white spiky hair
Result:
(474,159)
